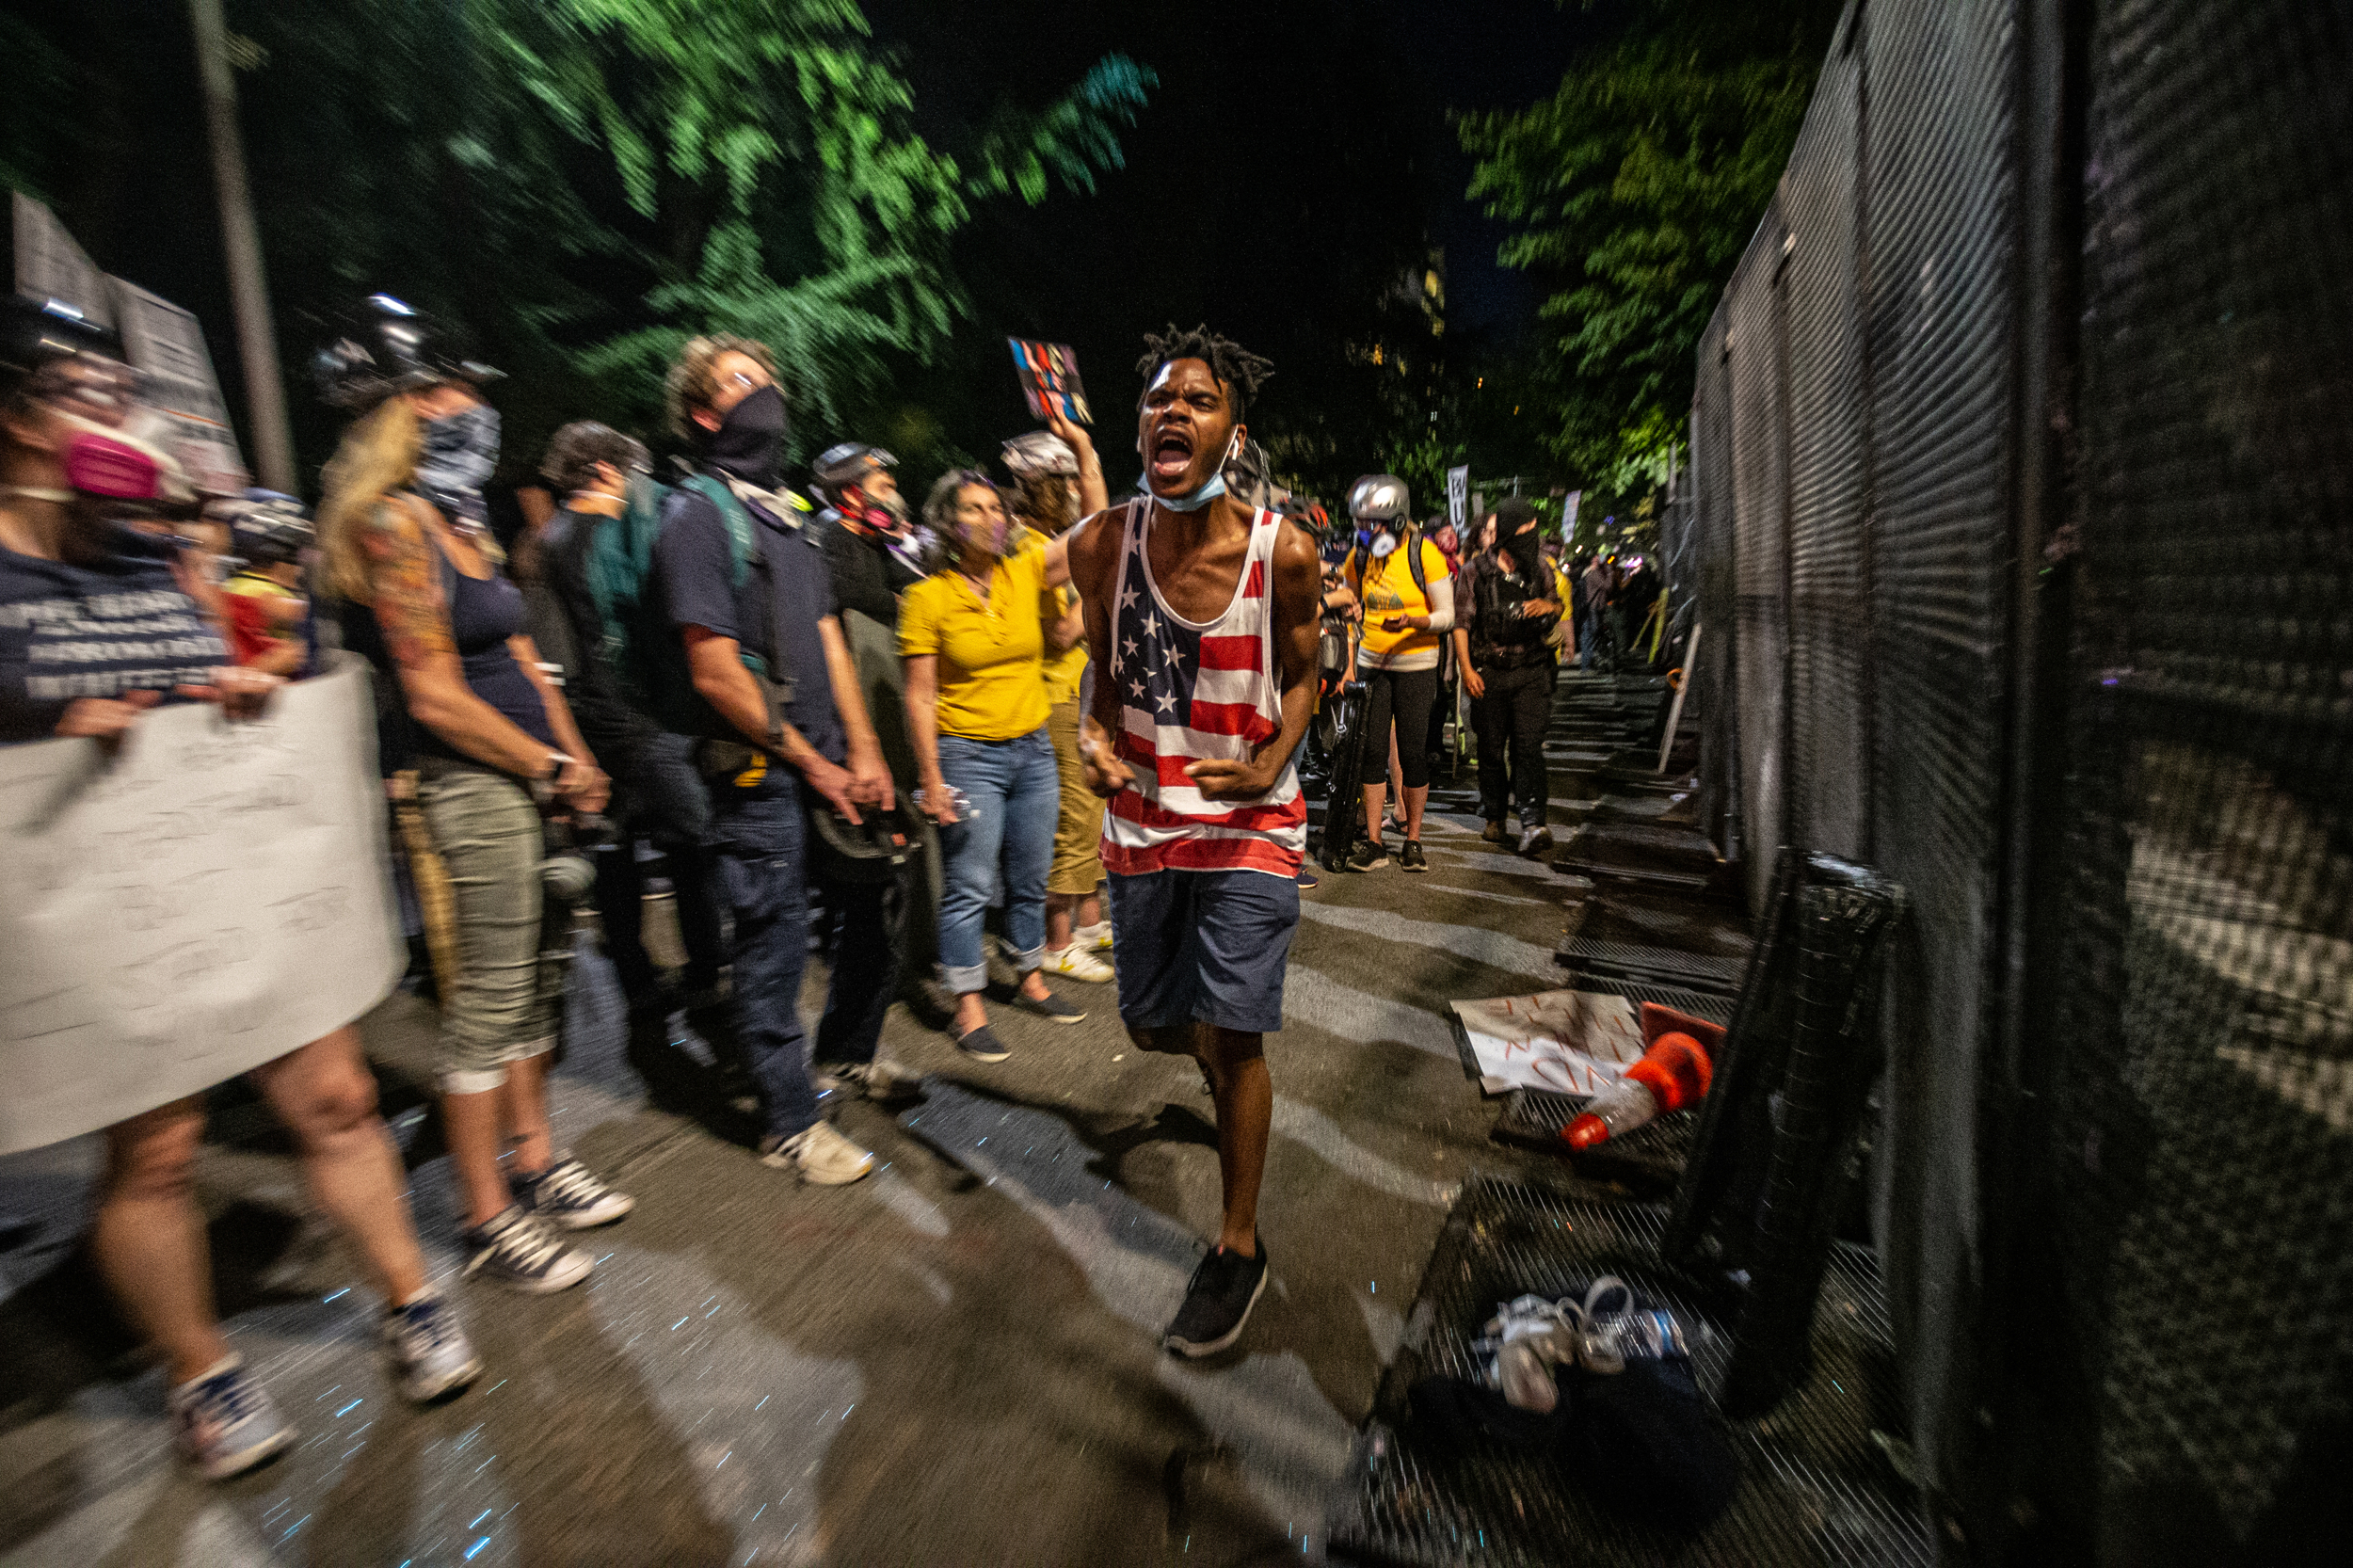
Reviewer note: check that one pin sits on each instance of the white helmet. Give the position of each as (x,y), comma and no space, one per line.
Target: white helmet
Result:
(1378,498)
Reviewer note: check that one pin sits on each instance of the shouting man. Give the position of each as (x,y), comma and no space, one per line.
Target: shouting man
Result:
(1201,617)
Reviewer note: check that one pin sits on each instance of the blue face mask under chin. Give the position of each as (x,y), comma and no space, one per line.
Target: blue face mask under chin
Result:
(1194,502)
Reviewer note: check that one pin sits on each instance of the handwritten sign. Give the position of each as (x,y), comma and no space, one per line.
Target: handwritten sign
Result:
(1568,1042)
(205,901)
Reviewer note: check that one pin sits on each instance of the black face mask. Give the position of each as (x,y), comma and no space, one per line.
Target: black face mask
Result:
(1526,551)
(750,442)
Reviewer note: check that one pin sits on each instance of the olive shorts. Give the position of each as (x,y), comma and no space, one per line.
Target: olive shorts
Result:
(1078,868)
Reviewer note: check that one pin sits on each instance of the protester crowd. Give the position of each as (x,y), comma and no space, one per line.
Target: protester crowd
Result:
(810,709)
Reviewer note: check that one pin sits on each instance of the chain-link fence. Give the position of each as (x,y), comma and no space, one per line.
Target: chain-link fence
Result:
(2023,501)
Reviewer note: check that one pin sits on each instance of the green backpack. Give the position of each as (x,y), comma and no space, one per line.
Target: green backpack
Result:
(638,643)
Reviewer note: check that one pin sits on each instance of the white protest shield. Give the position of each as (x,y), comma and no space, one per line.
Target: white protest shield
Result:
(206,901)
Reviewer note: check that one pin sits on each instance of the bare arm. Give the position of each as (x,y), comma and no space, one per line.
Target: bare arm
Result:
(405,580)
(715,664)
(1298,584)
(1063,629)
(870,776)
(591,790)
(923,696)
(1093,554)
(1094,495)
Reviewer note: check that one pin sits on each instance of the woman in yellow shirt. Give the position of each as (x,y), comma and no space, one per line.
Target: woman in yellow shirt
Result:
(1397,660)
(975,635)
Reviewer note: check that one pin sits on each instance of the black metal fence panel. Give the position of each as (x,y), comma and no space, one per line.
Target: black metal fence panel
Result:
(2200,1067)
(2156,781)
(1755,367)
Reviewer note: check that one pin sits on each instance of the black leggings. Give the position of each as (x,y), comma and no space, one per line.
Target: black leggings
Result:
(1406,697)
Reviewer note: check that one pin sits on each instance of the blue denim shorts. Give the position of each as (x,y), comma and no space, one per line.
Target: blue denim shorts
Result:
(1203,947)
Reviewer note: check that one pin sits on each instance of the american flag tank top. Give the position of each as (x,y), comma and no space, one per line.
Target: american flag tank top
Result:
(1189,691)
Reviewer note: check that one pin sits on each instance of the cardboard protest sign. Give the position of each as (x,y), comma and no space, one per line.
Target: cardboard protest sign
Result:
(205,901)
(1050,379)
(1568,1042)
(49,265)
(168,343)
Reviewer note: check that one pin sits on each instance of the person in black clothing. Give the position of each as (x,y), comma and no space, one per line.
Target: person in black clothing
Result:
(782,733)
(1507,666)
(657,795)
(863,514)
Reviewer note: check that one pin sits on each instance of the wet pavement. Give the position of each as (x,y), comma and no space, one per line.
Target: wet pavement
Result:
(956,1361)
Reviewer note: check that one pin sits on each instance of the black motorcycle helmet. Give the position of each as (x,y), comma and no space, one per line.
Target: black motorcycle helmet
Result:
(875,850)
(34,333)
(390,347)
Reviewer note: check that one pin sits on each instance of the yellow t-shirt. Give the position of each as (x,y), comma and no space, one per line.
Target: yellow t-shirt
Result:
(1386,588)
(1067,669)
(992,663)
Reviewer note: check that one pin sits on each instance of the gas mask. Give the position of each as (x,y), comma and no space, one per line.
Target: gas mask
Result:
(869,516)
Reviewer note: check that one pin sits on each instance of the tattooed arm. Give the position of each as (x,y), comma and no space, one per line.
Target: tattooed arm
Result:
(405,579)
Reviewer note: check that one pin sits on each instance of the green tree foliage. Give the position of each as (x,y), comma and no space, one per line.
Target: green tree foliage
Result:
(1632,193)
(587,182)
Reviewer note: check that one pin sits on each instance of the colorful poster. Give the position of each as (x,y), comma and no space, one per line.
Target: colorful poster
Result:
(1050,379)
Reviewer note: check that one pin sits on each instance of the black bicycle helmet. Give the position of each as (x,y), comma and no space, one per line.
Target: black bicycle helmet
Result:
(875,850)
(391,346)
(36,332)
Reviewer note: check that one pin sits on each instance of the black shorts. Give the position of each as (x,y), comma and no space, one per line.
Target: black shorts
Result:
(1203,947)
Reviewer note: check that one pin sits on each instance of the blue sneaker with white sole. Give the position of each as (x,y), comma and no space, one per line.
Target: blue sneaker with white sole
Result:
(430,1354)
(224,1422)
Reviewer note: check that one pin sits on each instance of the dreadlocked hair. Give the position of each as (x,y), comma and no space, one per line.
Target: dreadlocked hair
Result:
(1233,367)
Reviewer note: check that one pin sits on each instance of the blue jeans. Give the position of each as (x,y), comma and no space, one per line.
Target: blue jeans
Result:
(1013,790)
(758,838)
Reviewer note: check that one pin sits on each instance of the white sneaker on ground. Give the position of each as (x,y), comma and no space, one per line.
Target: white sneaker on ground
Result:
(821,1154)
(1094,939)
(1077,963)
(880,1080)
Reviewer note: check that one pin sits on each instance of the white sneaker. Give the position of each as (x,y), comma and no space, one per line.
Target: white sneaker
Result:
(880,1080)
(1094,939)
(1077,963)
(822,1156)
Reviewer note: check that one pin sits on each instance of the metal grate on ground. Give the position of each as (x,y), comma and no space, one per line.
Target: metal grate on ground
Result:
(1816,1487)
(1649,965)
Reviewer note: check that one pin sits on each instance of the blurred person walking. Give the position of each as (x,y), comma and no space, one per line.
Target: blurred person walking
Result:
(588,552)
(98,624)
(404,553)
(269,611)
(1401,579)
(975,635)
(1058,480)
(1204,615)
(1507,669)
(758,668)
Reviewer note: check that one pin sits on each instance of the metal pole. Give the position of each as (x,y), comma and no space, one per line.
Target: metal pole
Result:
(256,344)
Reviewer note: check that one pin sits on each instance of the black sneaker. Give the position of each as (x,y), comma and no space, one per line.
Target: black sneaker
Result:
(981,1044)
(1411,857)
(1308,879)
(1218,1301)
(1052,1007)
(1368,854)
(1536,840)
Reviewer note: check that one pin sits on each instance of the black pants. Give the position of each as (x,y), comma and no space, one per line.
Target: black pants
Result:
(1404,695)
(1512,715)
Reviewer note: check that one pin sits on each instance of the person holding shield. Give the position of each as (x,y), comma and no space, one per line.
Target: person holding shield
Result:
(98,624)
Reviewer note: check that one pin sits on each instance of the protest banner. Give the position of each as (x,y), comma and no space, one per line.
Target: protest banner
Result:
(1568,1042)
(205,900)
(1458,497)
